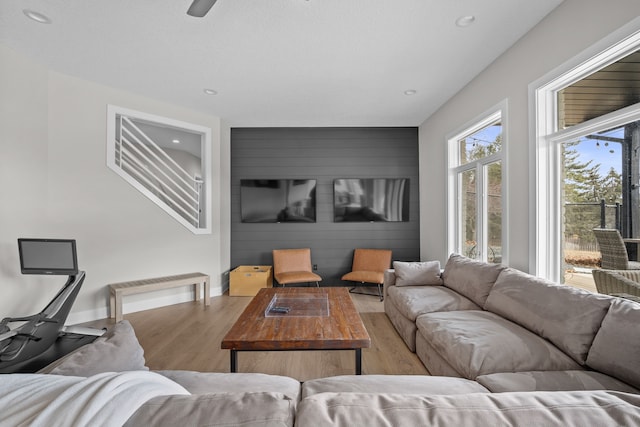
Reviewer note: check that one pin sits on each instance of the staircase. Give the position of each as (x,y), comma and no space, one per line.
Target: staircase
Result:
(146,165)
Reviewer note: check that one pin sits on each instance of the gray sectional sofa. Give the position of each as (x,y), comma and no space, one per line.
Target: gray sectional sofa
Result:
(583,368)
(512,331)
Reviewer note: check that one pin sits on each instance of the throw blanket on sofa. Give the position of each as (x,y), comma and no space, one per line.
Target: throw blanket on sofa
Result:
(107,399)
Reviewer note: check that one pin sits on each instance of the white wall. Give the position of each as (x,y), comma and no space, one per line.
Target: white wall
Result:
(225,203)
(572,27)
(55,183)
(23,174)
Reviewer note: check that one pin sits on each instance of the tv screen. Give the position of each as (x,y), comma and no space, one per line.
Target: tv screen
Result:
(278,200)
(371,199)
(48,256)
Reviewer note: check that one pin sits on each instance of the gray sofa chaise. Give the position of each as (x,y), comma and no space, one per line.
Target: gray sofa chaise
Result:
(448,401)
(512,331)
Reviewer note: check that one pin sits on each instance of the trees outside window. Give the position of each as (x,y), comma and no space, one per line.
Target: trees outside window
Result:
(592,193)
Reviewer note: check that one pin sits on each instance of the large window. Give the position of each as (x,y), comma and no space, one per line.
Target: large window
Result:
(586,144)
(476,210)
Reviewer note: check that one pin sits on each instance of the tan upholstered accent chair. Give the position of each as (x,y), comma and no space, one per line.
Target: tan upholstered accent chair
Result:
(613,251)
(368,267)
(293,266)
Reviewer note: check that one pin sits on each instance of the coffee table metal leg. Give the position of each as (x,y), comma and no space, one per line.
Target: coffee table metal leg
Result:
(234,361)
(358,361)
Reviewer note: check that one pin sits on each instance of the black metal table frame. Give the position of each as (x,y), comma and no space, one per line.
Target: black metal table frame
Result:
(234,355)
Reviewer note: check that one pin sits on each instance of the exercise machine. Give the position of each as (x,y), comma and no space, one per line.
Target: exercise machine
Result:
(37,333)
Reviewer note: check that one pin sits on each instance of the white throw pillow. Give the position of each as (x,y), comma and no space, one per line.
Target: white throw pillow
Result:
(417,273)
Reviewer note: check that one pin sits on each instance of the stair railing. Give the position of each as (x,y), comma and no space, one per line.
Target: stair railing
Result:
(141,157)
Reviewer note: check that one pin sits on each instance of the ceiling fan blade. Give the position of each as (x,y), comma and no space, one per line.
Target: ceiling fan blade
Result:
(199,8)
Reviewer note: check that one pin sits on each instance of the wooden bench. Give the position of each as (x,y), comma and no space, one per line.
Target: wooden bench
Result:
(118,290)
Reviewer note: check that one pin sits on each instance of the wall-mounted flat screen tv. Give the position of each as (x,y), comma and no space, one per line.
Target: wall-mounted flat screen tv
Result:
(278,200)
(48,256)
(371,199)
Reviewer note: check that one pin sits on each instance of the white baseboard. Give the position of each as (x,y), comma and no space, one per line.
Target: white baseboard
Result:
(87,316)
(132,307)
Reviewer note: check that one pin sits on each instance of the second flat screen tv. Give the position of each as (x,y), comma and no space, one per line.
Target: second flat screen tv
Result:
(278,200)
(371,200)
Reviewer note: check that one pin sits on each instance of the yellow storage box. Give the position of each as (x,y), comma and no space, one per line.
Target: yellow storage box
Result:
(246,280)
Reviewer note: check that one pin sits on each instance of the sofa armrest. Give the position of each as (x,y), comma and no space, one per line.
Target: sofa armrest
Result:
(389,280)
(389,277)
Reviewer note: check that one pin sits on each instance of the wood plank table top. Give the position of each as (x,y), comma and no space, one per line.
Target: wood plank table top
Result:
(342,329)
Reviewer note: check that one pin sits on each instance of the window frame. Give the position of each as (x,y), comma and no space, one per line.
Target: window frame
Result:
(545,227)
(480,166)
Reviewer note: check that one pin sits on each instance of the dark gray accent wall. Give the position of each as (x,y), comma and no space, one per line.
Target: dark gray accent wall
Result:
(324,154)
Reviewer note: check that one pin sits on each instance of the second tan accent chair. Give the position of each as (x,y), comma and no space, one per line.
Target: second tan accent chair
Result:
(368,267)
(293,266)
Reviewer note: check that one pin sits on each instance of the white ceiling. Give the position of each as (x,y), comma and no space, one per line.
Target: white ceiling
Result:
(277,62)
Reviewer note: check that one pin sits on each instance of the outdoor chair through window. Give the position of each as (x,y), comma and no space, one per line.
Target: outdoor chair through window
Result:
(620,283)
(613,251)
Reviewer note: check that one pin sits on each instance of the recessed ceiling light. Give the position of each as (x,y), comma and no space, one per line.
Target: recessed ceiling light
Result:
(410,92)
(35,16)
(210,92)
(465,21)
(175,141)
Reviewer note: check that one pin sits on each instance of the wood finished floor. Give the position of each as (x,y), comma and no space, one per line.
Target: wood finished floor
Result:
(187,336)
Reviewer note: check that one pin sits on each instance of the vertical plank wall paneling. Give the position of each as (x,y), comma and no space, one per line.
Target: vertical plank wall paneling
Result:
(324,154)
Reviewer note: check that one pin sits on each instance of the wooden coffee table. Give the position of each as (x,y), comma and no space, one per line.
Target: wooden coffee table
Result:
(302,321)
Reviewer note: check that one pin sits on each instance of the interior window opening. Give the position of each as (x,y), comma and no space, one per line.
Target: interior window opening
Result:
(167,160)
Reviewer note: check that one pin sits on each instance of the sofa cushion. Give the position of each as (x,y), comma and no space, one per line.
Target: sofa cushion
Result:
(566,316)
(117,350)
(569,409)
(552,381)
(215,382)
(417,273)
(431,359)
(479,342)
(216,409)
(406,384)
(405,328)
(471,278)
(616,347)
(412,301)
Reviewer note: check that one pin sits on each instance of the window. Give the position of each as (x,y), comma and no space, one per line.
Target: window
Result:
(476,211)
(585,145)
(166,160)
